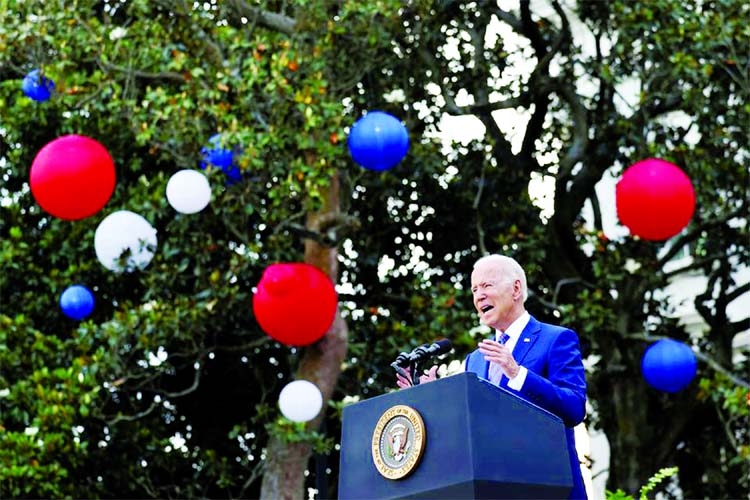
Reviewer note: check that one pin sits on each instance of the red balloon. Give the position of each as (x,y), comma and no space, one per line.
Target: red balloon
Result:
(72,177)
(655,199)
(295,303)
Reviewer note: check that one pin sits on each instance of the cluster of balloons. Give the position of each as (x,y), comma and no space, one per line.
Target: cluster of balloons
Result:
(655,199)
(295,303)
(668,365)
(36,86)
(73,177)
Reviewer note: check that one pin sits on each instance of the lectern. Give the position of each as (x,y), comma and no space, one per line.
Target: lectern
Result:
(458,437)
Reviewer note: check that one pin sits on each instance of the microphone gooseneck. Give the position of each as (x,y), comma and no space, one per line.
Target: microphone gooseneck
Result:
(401,362)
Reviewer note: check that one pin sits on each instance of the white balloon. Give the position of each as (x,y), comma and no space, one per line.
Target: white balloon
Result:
(300,401)
(124,231)
(188,191)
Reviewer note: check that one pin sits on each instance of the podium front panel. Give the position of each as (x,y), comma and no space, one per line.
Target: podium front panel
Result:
(480,442)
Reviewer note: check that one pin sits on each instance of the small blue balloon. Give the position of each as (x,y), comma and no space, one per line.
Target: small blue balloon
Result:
(218,156)
(77,302)
(37,87)
(669,365)
(378,141)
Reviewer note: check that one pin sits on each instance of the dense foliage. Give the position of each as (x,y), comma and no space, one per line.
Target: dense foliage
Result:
(169,389)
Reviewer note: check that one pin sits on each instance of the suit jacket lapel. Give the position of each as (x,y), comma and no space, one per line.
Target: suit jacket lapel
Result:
(526,340)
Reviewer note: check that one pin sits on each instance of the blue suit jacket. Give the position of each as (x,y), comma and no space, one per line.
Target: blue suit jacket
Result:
(556,380)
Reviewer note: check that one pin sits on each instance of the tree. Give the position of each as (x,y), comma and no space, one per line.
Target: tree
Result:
(153,82)
(169,388)
(577,137)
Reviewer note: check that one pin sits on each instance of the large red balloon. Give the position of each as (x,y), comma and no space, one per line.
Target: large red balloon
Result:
(655,199)
(72,177)
(295,303)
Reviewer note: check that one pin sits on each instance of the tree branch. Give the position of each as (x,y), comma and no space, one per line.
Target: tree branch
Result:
(172,76)
(739,326)
(531,30)
(575,152)
(271,20)
(716,366)
(509,19)
(333,228)
(129,418)
(694,265)
(473,109)
(695,232)
(192,388)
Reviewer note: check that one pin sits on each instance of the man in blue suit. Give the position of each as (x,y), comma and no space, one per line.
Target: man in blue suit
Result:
(537,361)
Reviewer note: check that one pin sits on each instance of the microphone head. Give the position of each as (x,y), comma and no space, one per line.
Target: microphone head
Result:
(442,346)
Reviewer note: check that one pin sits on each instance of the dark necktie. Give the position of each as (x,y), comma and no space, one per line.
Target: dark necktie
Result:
(495,373)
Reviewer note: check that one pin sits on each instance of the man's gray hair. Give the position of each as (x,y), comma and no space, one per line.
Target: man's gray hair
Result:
(510,266)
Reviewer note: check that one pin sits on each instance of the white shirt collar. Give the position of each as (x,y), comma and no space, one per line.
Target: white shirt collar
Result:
(515,328)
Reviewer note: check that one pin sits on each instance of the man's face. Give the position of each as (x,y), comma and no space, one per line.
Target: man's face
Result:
(493,291)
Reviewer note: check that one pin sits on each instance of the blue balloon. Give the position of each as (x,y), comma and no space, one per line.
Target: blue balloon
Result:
(77,302)
(669,365)
(378,141)
(37,87)
(218,156)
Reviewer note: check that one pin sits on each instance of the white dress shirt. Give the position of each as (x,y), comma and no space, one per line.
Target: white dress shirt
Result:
(514,333)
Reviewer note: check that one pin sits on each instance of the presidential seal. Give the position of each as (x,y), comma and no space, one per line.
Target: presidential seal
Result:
(398,442)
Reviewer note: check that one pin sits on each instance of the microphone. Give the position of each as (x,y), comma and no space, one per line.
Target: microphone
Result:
(423,352)
(405,359)
(418,355)
(427,351)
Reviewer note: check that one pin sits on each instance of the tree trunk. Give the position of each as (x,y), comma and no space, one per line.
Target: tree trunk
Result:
(626,457)
(285,463)
(284,473)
